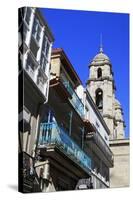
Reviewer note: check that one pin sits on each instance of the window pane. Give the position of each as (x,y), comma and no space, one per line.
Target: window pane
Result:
(44,44)
(43,62)
(28,15)
(47,49)
(34,30)
(42,58)
(24,32)
(38,33)
(30,63)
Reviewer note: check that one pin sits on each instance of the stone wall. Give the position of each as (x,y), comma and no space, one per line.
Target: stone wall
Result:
(119,174)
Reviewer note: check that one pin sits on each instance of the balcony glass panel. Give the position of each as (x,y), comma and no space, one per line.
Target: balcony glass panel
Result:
(103,145)
(52,133)
(105,148)
(75,101)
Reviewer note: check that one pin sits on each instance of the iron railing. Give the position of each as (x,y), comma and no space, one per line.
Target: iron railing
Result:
(52,133)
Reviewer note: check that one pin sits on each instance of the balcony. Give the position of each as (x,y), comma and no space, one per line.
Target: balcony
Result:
(75,100)
(53,134)
(101,147)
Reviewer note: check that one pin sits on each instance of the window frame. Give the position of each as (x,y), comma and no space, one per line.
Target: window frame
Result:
(36,30)
(44,53)
(29,15)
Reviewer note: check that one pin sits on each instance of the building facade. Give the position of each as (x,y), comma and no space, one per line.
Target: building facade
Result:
(35,44)
(74,152)
(101,86)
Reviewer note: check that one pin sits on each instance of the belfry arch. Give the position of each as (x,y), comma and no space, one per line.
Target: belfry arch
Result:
(99,73)
(99,99)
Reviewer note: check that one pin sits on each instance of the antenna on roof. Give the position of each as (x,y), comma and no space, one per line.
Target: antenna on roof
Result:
(101,43)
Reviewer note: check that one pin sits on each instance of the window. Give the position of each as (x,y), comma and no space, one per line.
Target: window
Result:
(25,30)
(30,63)
(27,15)
(45,46)
(99,73)
(40,78)
(40,81)
(99,99)
(36,31)
(45,53)
(30,66)
(63,76)
(43,62)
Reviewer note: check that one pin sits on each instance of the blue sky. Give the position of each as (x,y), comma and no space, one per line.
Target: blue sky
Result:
(78,33)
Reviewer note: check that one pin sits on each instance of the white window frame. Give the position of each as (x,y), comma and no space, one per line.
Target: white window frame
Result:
(43,52)
(25,15)
(43,62)
(36,26)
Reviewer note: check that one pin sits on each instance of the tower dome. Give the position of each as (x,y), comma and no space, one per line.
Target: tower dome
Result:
(100,58)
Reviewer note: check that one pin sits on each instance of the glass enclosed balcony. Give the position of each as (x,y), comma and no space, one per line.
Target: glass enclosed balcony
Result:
(96,138)
(75,101)
(52,133)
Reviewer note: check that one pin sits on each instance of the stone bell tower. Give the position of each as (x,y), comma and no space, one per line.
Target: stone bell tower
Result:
(101,87)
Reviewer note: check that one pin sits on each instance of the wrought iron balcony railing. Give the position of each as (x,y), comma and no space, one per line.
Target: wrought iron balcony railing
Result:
(52,133)
(75,101)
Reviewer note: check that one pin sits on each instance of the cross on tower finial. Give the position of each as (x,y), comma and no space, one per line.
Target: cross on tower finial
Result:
(101,43)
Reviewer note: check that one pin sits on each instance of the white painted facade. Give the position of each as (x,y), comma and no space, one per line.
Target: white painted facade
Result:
(37,46)
(91,115)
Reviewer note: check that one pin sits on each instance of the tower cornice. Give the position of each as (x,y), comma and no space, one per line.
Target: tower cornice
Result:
(100,63)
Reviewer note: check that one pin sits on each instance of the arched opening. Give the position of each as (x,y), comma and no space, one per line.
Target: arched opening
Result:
(99,73)
(99,99)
